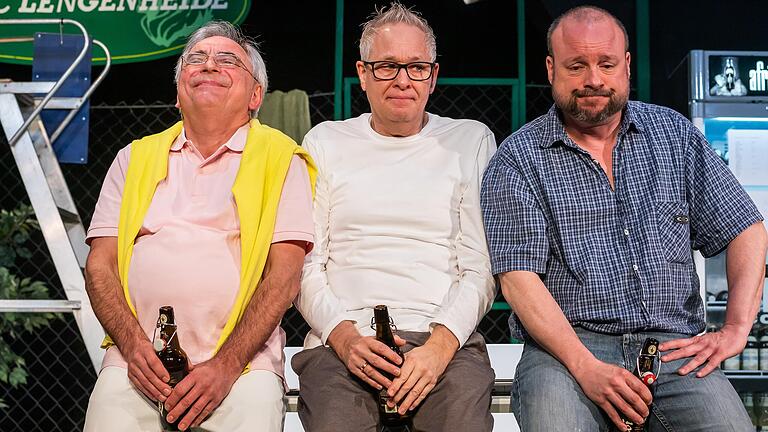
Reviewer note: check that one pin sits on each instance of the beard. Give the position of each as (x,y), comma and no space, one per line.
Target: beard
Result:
(569,104)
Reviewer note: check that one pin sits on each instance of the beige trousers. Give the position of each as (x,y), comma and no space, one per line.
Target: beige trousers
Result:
(255,403)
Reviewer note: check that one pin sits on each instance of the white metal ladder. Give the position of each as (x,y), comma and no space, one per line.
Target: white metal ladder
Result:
(48,192)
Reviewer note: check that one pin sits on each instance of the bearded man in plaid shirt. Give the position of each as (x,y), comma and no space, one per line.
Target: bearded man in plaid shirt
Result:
(592,212)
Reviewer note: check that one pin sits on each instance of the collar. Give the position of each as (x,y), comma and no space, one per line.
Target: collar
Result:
(235,143)
(554,129)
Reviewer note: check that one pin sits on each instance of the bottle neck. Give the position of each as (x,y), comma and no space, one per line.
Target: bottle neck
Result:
(169,336)
(384,333)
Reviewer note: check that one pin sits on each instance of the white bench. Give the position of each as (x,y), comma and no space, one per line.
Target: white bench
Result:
(504,359)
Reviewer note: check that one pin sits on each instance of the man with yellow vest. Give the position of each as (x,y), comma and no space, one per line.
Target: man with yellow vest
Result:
(213,217)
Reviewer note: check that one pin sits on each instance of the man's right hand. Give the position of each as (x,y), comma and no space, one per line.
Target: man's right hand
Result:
(615,390)
(365,356)
(145,370)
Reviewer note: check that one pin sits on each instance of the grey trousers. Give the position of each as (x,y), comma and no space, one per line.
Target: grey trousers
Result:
(331,399)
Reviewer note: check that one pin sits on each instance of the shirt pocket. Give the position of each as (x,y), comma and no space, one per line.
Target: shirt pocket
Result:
(674,232)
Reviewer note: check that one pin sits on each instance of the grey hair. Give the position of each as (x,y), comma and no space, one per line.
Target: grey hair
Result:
(229,31)
(585,13)
(394,14)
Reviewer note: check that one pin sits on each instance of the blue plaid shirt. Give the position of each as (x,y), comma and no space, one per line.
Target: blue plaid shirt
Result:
(616,261)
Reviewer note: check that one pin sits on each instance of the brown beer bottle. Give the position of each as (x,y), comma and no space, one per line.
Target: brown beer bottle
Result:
(646,362)
(388,415)
(172,356)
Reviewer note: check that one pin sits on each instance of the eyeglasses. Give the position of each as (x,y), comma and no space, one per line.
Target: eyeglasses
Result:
(224,60)
(387,70)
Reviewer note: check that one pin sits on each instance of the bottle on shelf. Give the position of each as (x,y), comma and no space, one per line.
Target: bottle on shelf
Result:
(383,325)
(732,363)
(750,355)
(172,356)
(748,400)
(763,350)
(761,410)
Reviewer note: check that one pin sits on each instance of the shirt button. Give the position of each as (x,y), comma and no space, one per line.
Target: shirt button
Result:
(626,232)
(635,267)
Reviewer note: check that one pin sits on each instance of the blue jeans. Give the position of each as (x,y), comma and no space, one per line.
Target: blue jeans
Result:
(546,397)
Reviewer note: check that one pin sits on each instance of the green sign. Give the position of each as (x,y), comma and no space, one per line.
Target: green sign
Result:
(132,30)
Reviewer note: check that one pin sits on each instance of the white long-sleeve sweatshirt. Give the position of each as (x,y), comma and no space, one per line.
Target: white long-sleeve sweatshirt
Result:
(398,222)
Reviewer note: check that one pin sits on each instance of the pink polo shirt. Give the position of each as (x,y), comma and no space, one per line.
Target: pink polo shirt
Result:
(187,253)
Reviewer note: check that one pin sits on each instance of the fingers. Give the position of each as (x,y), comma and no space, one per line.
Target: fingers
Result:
(141,371)
(369,360)
(422,396)
(384,351)
(143,385)
(157,369)
(204,414)
(179,392)
(380,357)
(689,349)
(643,392)
(400,341)
(371,375)
(186,400)
(624,410)
(405,374)
(196,412)
(415,383)
(402,386)
(635,395)
(695,362)
(612,414)
(416,395)
(675,344)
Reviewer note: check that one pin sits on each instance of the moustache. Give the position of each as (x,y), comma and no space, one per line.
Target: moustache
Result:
(592,93)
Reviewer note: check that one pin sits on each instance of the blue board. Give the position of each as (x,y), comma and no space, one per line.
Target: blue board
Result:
(54,53)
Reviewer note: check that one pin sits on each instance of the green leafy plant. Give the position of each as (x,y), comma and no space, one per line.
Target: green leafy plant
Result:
(16,226)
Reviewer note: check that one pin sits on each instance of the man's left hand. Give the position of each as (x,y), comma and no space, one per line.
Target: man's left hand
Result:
(710,348)
(422,367)
(201,392)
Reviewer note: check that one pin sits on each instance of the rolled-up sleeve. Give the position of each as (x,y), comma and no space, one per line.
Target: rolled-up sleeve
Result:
(515,225)
(720,208)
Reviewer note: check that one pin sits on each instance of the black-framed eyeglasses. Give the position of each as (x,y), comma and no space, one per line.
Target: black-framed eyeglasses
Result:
(388,70)
(224,60)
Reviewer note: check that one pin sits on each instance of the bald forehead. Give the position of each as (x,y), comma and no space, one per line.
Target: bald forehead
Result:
(588,31)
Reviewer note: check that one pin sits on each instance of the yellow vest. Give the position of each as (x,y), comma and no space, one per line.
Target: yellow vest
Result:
(257,189)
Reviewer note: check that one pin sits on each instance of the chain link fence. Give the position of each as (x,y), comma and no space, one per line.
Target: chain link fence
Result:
(61,376)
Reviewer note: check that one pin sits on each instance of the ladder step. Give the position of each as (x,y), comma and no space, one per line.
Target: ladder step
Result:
(62,103)
(68,217)
(26,87)
(39,305)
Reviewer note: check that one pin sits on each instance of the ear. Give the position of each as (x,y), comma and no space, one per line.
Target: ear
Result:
(256,98)
(433,84)
(550,68)
(177,102)
(628,58)
(360,66)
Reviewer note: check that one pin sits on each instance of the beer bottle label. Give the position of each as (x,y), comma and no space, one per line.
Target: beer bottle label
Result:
(159,344)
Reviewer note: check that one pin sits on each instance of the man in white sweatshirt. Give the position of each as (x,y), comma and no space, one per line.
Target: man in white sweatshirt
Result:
(398,223)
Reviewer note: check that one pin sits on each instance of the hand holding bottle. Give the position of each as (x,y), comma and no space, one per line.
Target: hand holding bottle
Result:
(364,356)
